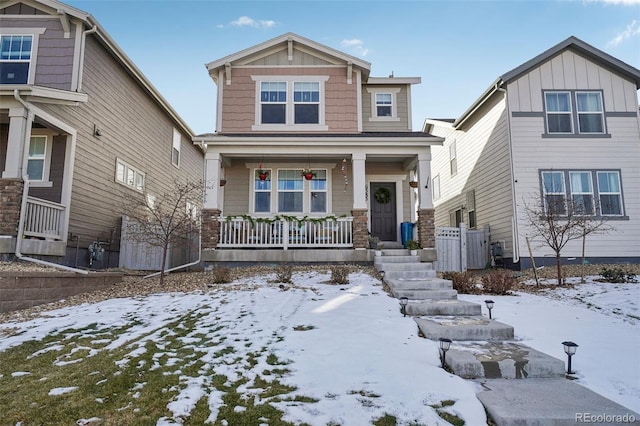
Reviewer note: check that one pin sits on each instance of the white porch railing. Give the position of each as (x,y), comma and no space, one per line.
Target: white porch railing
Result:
(43,219)
(282,233)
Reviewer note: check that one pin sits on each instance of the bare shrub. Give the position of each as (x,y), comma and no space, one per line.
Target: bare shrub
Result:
(339,275)
(498,282)
(463,282)
(221,275)
(283,274)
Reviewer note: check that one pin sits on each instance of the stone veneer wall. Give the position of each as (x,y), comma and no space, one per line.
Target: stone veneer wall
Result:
(210,228)
(360,228)
(426,228)
(11,202)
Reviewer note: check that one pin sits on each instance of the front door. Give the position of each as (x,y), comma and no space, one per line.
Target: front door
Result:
(383,211)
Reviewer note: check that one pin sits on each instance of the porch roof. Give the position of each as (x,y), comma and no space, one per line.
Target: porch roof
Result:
(205,137)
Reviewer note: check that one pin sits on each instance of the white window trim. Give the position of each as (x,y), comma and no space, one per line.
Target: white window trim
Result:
(306,197)
(578,113)
(373,91)
(177,141)
(290,120)
(569,113)
(127,166)
(619,193)
(436,188)
(35,32)
(46,167)
(453,158)
(572,192)
(563,193)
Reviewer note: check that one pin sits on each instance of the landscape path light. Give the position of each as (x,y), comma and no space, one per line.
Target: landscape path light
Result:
(445,344)
(489,303)
(403,305)
(570,350)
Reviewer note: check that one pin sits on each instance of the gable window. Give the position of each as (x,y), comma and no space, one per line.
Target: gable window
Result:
(436,188)
(588,192)
(15,58)
(590,112)
(129,176)
(37,156)
(384,103)
(175,150)
(558,107)
(453,160)
(290,103)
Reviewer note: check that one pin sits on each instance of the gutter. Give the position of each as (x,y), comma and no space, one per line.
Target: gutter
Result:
(23,208)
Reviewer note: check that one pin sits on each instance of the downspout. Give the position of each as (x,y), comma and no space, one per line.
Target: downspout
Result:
(514,219)
(82,47)
(23,208)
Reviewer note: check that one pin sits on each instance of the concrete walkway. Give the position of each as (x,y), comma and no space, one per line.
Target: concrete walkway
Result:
(521,386)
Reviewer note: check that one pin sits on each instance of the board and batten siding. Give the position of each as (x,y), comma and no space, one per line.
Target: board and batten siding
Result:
(135,129)
(620,151)
(482,152)
(370,124)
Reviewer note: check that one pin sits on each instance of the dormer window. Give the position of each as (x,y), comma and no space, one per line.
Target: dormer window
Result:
(290,103)
(384,103)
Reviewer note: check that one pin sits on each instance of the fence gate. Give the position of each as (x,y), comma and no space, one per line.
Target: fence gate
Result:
(460,249)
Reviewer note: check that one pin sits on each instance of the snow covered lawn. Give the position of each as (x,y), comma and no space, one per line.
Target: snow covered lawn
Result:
(309,353)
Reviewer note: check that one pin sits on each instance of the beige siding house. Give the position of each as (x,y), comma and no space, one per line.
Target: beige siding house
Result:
(81,129)
(311,156)
(563,126)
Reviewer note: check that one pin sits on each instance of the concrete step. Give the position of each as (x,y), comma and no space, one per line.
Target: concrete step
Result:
(549,402)
(501,360)
(399,251)
(464,328)
(422,284)
(409,275)
(425,294)
(443,307)
(395,259)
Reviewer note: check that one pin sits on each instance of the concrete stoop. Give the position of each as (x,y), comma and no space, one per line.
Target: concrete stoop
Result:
(463,328)
(425,294)
(550,402)
(419,284)
(442,307)
(501,360)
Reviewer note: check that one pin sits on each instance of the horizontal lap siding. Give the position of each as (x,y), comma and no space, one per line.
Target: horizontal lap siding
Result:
(402,105)
(620,151)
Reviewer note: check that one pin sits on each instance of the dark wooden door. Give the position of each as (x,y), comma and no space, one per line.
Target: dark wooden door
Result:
(383,211)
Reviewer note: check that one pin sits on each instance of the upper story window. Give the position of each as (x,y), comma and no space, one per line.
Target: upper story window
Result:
(290,103)
(175,150)
(384,103)
(574,113)
(129,176)
(15,58)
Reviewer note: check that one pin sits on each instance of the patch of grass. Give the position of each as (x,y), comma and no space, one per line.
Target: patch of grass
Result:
(304,327)
(386,420)
(364,393)
(272,359)
(445,415)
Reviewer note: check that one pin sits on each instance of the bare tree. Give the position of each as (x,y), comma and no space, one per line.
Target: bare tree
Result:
(166,220)
(556,221)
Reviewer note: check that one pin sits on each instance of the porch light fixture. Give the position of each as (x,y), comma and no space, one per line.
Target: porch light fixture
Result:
(445,344)
(403,305)
(489,304)
(570,350)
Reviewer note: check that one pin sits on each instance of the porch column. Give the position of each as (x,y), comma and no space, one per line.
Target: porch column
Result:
(211,206)
(20,121)
(426,212)
(359,211)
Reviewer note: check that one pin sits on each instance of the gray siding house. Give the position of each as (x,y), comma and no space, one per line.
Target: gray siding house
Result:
(81,129)
(561,127)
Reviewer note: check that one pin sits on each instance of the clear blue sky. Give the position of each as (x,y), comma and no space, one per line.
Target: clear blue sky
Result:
(457,47)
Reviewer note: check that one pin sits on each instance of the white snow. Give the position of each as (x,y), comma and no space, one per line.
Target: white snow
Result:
(349,347)
(60,391)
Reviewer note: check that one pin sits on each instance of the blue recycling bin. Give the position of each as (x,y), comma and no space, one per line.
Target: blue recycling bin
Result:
(406,230)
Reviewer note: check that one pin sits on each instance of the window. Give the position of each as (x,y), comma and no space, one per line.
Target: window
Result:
(306,101)
(318,192)
(581,193)
(37,155)
(285,190)
(384,103)
(610,193)
(290,103)
(554,193)
(129,176)
(262,192)
(590,192)
(436,188)
(290,191)
(590,112)
(558,107)
(453,161)
(15,57)
(455,218)
(471,209)
(175,151)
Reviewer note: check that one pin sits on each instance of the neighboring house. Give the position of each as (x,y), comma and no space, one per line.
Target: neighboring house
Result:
(291,104)
(81,128)
(562,126)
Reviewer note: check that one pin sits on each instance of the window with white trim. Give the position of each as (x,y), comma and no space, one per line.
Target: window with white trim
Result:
(436,188)
(318,192)
(262,190)
(558,109)
(588,192)
(590,112)
(15,58)
(129,176)
(574,112)
(453,159)
(36,163)
(290,103)
(290,191)
(384,103)
(175,150)
(285,190)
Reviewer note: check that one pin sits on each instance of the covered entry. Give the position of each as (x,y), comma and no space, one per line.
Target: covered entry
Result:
(384,224)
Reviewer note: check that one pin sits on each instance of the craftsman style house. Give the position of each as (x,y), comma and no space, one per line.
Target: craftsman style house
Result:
(80,128)
(311,153)
(562,128)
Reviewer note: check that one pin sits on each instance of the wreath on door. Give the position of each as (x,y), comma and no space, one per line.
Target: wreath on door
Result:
(382,195)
